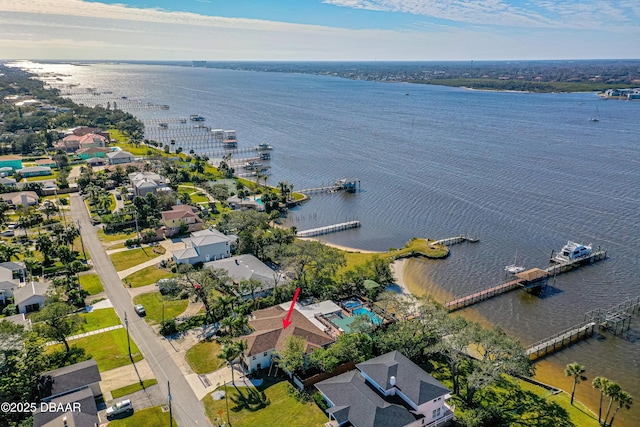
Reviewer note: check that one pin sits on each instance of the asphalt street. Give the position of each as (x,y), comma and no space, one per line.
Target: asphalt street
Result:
(187,409)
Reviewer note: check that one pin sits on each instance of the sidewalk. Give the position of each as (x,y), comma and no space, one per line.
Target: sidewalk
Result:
(86,334)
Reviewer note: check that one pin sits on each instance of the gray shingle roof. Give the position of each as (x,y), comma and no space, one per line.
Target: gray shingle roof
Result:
(73,376)
(86,418)
(245,267)
(30,289)
(412,380)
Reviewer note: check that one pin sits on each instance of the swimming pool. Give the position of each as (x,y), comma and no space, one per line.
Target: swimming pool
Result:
(363,311)
(352,304)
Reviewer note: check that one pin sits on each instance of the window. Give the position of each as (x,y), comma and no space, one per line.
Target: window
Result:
(265,353)
(434,414)
(254,358)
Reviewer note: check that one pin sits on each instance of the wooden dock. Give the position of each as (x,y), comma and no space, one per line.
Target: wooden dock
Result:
(561,267)
(615,317)
(348,185)
(560,340)
(481,296)
(454,240)
(553,270)
(328,229)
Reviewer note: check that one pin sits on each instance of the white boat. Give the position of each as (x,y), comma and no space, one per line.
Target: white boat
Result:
(252,165)
(514,268)
(572,251)
(595,118)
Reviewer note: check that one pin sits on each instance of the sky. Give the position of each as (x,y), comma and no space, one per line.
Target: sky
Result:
(319,30)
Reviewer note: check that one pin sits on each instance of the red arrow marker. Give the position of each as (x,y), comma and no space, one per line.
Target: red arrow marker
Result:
(285,321)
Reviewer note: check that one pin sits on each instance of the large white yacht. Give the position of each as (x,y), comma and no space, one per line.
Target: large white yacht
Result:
(572,251)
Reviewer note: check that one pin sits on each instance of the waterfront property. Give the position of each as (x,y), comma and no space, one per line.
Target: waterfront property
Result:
(269,336)
(120,157)
(390,391)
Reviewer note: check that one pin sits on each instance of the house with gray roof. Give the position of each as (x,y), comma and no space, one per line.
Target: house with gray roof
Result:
(386,391)
(247,267)
(119,157)
(204,246)
(73,387)
(30,171)
(146,182)
(30,297)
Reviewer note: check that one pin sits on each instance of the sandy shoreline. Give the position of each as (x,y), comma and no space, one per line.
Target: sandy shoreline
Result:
(341,247)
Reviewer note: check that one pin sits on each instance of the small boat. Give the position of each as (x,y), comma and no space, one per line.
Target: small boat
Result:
(595,118)
(252,165)
(196,118)
(514,268)
(572,251)
(264,146)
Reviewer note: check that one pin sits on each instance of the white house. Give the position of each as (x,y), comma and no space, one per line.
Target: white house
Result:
(204,246)
(269,336)
(30,297)
(146,182)
(11,275)
(368,396)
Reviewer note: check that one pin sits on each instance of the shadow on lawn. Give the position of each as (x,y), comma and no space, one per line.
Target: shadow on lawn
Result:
(251,400)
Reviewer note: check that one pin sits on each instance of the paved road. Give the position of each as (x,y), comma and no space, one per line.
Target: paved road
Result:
(187,409)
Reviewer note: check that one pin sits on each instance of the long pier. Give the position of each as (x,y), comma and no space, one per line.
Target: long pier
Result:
(552,270)
(329,229)
(618,316)
(560,340)
(455,240)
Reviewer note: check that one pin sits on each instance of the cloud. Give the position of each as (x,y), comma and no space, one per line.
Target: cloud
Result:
(533,14)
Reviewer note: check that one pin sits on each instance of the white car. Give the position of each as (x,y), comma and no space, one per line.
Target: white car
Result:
(120,408)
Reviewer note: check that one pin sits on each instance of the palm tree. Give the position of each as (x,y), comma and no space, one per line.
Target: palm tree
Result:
(625,400)
(229,353)
(600,383)
(238,324)
(45,245)
(575,370)
(611,390)
(227,323)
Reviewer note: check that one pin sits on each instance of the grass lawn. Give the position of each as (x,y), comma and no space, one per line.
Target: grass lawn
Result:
(127,259)
(270,405)
(153,303)
(150,417)
(147,276)
(53,176)
(91,283)
(123,391)
(108,348)
(203,357)
(112,237)
(199,197)
(580,415)
(98,319)
(112,204)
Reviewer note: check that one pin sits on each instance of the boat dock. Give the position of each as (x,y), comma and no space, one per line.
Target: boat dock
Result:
(560,340)
(455,240)
(329,229)
(348,185)
(524,282)
(615,317)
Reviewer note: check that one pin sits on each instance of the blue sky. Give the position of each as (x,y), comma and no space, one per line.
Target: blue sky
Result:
(320,29)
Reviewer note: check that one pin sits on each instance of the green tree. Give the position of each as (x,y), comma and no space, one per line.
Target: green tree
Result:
(611,390)
(624,400)
(292,355)
(575,370)
(45,245)
(56,322)
(600,383)
(230,352)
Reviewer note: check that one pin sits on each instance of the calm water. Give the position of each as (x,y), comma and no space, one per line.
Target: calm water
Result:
(522,172)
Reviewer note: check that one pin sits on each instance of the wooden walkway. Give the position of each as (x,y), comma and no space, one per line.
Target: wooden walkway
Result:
(328,229)
(570,265)
(560,340)
(481,296)
(454,240)
(615,317)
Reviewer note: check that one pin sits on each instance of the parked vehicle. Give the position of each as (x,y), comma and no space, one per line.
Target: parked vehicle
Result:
(139,308)
(124,406)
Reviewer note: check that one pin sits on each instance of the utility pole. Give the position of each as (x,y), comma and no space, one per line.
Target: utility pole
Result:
(84,254)
(126,323)
(170,412)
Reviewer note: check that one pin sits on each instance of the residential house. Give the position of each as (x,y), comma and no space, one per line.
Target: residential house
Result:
(30,297)
(204,246)
(314,310)
(24,198)
(120,157)
(147,182)
(235,202)
(34,171)
(72,143)
(46,162)
(96,161)
(269,336)
(91,152)
(7,182)
(246,267)
(178,216)
(387,391)
(75,387)
(11,275)
(19,319)
(12,161)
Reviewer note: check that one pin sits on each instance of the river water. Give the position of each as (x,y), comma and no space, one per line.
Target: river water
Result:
(524,173)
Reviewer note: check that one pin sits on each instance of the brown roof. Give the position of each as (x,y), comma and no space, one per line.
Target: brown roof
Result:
(268,332)
(180,213)
(44,161)
(533,274)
